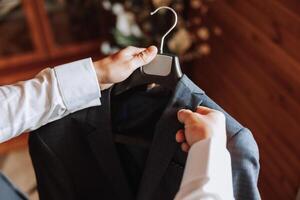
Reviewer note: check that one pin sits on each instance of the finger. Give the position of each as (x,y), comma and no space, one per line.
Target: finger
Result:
(203,110)
(131,50)
(185,147)
(180,137)
(184,115)
(105,86)
(144,57)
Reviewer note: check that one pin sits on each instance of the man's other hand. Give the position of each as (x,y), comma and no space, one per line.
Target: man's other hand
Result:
(200,125)
(119,66)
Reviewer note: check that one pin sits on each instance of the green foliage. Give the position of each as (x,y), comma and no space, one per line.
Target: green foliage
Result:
(124,41)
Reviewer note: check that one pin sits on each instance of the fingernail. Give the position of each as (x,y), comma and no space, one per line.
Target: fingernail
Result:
(152,48)
(181,110)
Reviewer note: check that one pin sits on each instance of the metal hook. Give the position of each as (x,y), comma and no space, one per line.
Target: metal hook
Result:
(175,23)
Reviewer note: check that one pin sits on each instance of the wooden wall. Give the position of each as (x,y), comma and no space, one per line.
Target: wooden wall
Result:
(254,73)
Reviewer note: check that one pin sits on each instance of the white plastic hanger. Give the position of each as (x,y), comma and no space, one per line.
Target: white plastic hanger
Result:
(163,70)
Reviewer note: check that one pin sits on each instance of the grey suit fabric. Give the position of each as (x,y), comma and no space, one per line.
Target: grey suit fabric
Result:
(8,191)
(76,157)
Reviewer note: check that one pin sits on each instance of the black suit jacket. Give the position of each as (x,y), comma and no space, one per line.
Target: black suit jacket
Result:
(76,158)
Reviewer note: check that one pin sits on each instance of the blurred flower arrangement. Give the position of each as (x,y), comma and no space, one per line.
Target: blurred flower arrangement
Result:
(134,26)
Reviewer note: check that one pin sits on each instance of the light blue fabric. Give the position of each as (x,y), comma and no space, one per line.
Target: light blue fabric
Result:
(242,148)
(8,191)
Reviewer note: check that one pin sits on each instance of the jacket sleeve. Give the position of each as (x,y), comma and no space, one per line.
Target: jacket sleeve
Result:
(51,95)
(245,165)
(48,169)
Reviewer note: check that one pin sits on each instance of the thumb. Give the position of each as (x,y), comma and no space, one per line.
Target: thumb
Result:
(203,110)
(144,57)
(184,115)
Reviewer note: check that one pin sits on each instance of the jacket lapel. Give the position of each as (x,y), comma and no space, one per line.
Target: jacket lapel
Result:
(98,133)
(97,130)
(164,145)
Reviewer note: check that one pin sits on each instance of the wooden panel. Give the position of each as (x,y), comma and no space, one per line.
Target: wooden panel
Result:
(58,51)
(36,30)
(39,53)
(292,6)
(254,74)
(279,26)
(45,48)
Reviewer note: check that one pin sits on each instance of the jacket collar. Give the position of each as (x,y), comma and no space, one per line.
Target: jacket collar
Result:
(163,147)
(98,131)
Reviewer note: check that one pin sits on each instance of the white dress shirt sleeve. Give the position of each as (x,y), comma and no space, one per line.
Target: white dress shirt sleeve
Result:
(51,95)
(207,175)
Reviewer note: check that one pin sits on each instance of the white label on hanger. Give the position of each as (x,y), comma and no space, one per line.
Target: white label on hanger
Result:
(161,65)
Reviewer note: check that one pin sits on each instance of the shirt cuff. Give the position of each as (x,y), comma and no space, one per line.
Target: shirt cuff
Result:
(205,159)
(78,84)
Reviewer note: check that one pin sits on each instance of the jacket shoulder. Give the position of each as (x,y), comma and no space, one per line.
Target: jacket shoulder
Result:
(245,165)
(56,127)
(232,125)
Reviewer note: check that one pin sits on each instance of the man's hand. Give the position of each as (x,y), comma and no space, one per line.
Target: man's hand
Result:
(200,125)
(119,66)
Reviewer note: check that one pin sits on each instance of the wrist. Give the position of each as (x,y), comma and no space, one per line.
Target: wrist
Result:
(101,76)
(198,136)
(100,73)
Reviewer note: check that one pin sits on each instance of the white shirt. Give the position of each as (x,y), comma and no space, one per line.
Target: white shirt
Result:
(207,174)
(51,95)
(55,93)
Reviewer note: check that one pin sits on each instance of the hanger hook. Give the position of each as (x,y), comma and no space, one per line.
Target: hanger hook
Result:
(175,23)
